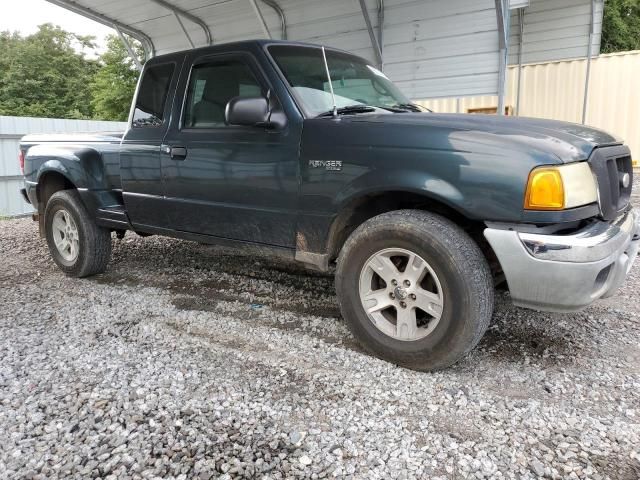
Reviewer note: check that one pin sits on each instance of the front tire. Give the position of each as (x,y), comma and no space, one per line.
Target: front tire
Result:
(77,245)
(414,289)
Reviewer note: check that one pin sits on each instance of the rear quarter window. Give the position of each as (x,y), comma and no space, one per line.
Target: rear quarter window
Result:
(152,96)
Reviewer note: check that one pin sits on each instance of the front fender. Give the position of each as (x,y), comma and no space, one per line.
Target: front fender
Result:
(480,175)
(409,181)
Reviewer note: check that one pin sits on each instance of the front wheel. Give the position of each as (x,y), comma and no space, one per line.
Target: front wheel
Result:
(77,245)
(414,289)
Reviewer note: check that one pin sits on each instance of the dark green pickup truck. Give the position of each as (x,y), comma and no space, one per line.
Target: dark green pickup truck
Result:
(315,155)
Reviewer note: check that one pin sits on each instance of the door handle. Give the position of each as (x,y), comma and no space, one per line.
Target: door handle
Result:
(176,153)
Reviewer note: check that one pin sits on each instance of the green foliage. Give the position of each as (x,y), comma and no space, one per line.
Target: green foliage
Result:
(48,74)
(45,74)
(621,26)
(115,82)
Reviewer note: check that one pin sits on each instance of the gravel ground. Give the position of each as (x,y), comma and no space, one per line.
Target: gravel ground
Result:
(184,361)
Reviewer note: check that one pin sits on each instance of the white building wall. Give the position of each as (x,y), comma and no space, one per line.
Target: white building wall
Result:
(14,128)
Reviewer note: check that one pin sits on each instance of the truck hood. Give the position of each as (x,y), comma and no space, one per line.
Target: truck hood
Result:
(568,142)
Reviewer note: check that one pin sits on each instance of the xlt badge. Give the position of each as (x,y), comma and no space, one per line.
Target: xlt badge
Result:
(331,165)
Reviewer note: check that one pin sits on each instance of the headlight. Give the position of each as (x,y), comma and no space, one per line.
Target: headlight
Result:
(557,188)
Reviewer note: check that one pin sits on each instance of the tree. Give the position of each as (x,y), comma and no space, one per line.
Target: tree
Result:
(621,26)
(46,74)
(114,84)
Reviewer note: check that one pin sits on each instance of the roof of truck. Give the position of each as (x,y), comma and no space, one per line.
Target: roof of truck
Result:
(242,45)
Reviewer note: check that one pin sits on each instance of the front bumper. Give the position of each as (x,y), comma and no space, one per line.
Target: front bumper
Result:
(567,272)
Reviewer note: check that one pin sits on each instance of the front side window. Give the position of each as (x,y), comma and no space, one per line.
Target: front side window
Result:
(211,86)
(152,96)
(355,82)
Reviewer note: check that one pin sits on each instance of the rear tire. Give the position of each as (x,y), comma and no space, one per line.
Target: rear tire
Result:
(77,245)
(426,286)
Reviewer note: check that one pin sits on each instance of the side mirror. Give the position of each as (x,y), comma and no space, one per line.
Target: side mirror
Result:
(247,111)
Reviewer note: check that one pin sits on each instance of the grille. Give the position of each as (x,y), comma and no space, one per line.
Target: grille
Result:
(610,165)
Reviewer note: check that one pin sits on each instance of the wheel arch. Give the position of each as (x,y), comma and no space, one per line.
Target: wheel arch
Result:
(51,181)
(358,210)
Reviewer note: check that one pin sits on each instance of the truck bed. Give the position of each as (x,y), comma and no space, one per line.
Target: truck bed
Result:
(97,137)
(100,149)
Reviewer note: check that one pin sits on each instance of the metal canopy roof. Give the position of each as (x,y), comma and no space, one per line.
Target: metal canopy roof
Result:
(430,48)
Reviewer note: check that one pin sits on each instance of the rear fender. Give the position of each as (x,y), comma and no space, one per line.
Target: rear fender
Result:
(82,166)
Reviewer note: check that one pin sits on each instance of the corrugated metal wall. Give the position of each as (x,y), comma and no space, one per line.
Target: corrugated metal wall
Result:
(11,130)
(440,47)
(555,90)
(435,47)
(555,30)
(431,48)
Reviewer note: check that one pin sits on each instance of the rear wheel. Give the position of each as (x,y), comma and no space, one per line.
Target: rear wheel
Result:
(414,289)
(77,245)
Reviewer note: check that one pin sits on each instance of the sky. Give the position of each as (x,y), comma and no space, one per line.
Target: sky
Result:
(25,16)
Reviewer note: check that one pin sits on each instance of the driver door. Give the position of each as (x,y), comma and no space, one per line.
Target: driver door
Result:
(234,182)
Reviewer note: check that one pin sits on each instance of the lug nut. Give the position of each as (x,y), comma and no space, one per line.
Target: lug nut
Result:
(407,283)
(394,282)
(392,295)
(403,305)
(412,296)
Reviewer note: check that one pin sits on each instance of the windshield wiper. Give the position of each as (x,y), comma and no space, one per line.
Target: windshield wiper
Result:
(361,108)
(394,108)
(412,107)
(349,109)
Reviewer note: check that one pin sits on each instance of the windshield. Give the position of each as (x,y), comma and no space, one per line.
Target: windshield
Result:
(354,81)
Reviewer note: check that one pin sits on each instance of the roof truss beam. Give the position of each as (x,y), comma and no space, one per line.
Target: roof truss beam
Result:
(144,39)
(263,23)
(278,9)
(503,18)
(178,12)
(130,51)
(377,50)
(184,30)
(592,32)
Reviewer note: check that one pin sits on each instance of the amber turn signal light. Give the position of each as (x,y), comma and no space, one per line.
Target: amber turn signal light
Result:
(545,190)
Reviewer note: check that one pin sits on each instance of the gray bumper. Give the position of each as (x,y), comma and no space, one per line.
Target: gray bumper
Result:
(567,272)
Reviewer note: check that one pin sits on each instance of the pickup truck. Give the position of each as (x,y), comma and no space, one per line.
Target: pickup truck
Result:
(314,155)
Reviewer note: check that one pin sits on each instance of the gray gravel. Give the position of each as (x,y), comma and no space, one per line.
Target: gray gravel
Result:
(184,361)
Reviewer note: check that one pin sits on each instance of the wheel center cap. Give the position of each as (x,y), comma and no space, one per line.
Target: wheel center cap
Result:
(400,293)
